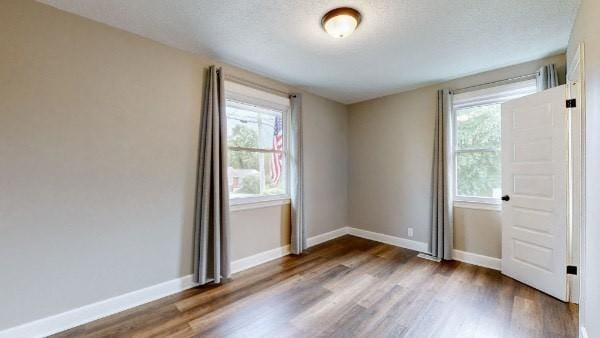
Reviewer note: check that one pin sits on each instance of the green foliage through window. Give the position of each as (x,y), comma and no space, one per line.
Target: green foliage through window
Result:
(250,185)
(478,151)
(242,136)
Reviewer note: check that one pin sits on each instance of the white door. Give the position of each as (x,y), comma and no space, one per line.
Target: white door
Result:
(535,180)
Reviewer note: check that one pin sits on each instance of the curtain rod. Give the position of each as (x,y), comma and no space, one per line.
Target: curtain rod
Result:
(244,82)
(488,84)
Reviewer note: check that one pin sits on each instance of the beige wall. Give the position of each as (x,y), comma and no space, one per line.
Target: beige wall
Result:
(587,30)
(254,229)
(391,152)
(98,148)
(325,164)
(478,231)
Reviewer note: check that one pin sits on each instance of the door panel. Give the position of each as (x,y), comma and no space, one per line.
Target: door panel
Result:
(534,175)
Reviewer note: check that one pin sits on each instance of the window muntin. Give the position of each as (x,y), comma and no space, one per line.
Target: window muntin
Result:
(477,140)
(257,157)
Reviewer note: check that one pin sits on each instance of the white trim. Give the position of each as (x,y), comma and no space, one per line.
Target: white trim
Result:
(253,199)
(318,239)
(269,255)
(388,239)
(477,259)
(576,289)
(85,314)
(582,332)
(429,257)
(575,63)
(478,205)
(475,199)
(260,258)
(234,89)
(583,261)
(495,94)
(374,236)
(259,204)
(423,247)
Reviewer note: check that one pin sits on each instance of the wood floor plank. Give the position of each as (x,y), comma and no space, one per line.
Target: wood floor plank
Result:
(379,314)
(216,303)
(349,287)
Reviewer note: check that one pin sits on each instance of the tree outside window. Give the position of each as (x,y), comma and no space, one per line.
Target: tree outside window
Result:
(478,151)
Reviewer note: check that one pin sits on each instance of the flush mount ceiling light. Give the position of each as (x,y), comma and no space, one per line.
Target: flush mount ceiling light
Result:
(341,22)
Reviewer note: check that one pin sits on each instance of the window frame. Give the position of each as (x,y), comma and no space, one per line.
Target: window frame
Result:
(250,96)
(456,152)
(489,96)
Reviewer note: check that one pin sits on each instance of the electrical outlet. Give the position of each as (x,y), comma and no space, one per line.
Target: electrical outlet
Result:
(410,232)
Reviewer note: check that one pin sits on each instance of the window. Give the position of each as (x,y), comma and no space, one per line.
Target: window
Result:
(257,140)
(477,140)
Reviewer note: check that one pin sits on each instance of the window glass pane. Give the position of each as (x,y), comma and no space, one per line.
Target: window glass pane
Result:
(275,174)
(253,174)
(478,174)
(478,127)
(253,127)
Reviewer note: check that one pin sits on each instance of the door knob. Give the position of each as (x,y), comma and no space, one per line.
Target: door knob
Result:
(506,198)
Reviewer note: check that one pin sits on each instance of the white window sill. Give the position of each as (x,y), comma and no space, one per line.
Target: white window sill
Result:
(237,205)
(494,206)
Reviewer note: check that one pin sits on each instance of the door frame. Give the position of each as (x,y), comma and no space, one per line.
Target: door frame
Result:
(576,72)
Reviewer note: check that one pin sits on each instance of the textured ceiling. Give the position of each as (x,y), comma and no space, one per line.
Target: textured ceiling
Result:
(400,44)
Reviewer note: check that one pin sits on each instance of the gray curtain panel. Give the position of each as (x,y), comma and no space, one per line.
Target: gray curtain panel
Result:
(442,223)
(211,235)
(298,236)
(547,77)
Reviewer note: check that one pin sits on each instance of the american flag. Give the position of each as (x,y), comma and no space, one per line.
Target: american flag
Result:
(277,158)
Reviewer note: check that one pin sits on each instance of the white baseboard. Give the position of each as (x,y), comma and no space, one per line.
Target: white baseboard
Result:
(392,240)
(266,256)
(477,259)
(374,236)
(583,332)
(463,256)
(85,314)
(573,282)
(312,241)
(269,255)
(429,257)
(259,258)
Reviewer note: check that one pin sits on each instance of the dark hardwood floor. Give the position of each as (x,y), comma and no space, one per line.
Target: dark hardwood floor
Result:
(349,287)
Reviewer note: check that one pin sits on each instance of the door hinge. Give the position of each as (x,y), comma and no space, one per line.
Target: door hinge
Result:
(572,103)
(571,270)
